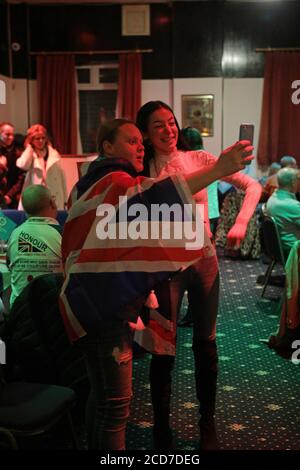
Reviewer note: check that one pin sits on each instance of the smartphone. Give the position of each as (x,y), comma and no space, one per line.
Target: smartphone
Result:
(246,132)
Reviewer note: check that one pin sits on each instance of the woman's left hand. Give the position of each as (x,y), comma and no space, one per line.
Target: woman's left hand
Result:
(236,235)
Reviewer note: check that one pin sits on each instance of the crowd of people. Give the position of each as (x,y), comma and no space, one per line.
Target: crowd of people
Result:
(11,177)
(143,163)
(27,160)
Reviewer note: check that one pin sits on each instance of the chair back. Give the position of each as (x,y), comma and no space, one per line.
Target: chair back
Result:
(45,312)
(38,327)
(271,240)
(28,409)
(68,359)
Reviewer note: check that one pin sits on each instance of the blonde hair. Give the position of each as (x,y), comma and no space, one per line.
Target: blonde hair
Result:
(33,131)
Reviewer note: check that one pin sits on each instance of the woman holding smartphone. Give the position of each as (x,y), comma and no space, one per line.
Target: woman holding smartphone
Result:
(107,279)
(165,154)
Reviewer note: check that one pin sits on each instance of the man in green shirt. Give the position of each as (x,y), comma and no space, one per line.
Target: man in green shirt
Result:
(285,208)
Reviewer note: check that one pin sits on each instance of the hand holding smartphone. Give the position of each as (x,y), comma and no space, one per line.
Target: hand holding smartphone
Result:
(247,132)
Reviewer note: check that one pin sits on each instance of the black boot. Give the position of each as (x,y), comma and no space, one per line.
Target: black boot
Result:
(208,435)
(160,381)
(206,371)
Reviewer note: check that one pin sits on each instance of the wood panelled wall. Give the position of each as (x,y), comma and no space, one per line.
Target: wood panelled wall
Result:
(4,64)
(189,39)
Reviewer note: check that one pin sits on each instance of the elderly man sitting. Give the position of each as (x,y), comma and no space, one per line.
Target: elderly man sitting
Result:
(272,183)
(285,208)
(34,247)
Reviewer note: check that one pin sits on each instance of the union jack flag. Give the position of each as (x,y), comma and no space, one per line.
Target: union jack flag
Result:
(26,247)
(111,278)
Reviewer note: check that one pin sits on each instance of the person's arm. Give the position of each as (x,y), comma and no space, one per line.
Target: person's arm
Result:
(253,192)
(3,162)
(25,160)
(13,193)
(293,213)
(231,160)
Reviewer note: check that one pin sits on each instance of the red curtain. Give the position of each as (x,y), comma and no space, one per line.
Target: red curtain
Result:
(57,100)
(280,120)
(130,84)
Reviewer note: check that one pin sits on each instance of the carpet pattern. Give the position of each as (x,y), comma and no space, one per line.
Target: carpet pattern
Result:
(258,406)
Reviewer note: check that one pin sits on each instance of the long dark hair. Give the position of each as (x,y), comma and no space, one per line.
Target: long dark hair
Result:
(142,122)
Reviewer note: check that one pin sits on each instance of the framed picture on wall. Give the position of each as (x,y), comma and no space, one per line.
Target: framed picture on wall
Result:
(198,111)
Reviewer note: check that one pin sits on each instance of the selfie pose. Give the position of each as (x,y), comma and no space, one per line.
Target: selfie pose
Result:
(109,276)
(165,155)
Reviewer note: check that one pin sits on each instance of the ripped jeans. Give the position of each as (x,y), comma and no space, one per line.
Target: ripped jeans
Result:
(109,365)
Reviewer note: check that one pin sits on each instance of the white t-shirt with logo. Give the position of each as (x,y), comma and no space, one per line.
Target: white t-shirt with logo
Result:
(34,248)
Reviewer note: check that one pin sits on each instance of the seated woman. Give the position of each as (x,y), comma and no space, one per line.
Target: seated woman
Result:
(269,182)
(42,163)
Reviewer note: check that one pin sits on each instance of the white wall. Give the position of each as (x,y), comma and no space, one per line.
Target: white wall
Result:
(19,105)
(70,166)
(157,90)
(5,109)
(16,109)
(242,104)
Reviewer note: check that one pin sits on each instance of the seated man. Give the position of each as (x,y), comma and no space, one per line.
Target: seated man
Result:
(269,182)
(272,183)
(285,208)
(34,247)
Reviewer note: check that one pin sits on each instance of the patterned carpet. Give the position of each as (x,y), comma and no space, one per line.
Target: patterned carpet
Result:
(258,405)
